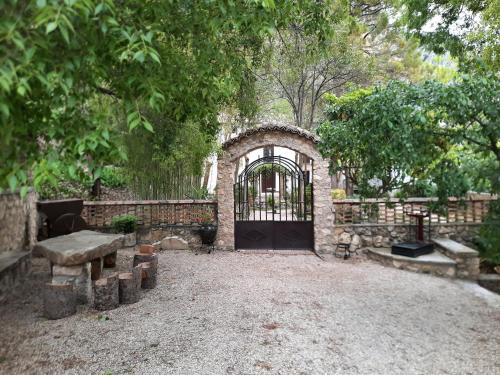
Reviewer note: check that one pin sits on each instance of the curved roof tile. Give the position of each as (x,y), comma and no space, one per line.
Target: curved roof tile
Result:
(269,128)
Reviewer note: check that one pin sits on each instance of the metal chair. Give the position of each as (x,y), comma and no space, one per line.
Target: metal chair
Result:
(346,248)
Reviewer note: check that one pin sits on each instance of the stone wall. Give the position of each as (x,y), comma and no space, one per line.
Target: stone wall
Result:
(383,235)
(18,222)
(18,232)
(289,137)
(155,234)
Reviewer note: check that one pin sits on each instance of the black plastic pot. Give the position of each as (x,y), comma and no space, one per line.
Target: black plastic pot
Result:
(208,233)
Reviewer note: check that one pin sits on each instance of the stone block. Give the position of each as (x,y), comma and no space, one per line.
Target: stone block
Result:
(73,271)
(79,247)
(345,238)
(174,243)
(356,242)
(80,279)
(129,240)
(378,241)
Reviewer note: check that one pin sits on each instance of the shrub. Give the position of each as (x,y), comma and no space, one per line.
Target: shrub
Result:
(124,223)
(113,177)
(488,242)
(338,194)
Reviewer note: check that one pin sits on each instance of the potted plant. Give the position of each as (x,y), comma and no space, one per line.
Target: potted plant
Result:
(208,229)
(125,224)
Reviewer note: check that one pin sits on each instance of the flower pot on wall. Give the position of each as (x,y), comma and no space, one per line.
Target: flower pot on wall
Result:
(129,240)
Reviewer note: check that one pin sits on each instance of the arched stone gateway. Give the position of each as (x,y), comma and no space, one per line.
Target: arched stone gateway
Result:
(289,137)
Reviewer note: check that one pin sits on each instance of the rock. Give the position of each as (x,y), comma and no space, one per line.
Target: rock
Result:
(174,243)
(345,238)
(444,230)
(129,240)
(378,241)
(356,242)
(157,246)
(367,240)
(79,247)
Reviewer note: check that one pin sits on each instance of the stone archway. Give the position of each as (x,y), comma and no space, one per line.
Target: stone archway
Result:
(281,136)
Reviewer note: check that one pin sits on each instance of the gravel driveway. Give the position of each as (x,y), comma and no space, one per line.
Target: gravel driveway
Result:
(232,313)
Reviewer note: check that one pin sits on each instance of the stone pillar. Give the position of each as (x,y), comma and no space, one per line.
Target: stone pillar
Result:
(79,276)
(225,203)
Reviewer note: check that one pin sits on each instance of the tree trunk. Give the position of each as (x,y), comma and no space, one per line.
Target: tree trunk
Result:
(148,258)
(59,301)
(128,291)
(148,276)
(144,257)
(106,293)
(206,175)
(137,272)
(146,249)
(96,188)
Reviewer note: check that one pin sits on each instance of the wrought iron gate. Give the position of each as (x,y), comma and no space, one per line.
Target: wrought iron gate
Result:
(273,206)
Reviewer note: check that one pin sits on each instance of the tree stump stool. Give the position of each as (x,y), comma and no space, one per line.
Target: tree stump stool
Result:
(147,249)
(137,272)
(149,278)
(128,291)
(106,293)
(59,301)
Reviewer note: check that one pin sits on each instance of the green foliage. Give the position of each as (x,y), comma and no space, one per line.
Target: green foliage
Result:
(113,177)
(198,193)
(489,239)
(58,183)
(338,194)
(180,60)
(167,164)
(124,223)
(403,133)
(270,202)
(467,29)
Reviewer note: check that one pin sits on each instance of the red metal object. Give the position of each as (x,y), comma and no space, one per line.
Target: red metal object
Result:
(419,232)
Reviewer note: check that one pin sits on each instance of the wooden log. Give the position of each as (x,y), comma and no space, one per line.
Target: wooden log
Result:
(128,291)
(59,301)
(142,258)
(95,269)
(148,258)
(106,293)
(137,272)
(110,260)
(148,276)
(146,249)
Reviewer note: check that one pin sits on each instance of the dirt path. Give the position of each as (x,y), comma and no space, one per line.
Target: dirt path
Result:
(231,313)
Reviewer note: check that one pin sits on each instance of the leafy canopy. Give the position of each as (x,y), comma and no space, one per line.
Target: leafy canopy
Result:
(398,134)
(59,59)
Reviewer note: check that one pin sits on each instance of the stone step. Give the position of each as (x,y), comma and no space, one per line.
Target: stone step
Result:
(434,263)
(467,259)
(455,248)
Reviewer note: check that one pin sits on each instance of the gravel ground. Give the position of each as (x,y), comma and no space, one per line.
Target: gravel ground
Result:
(232,313)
